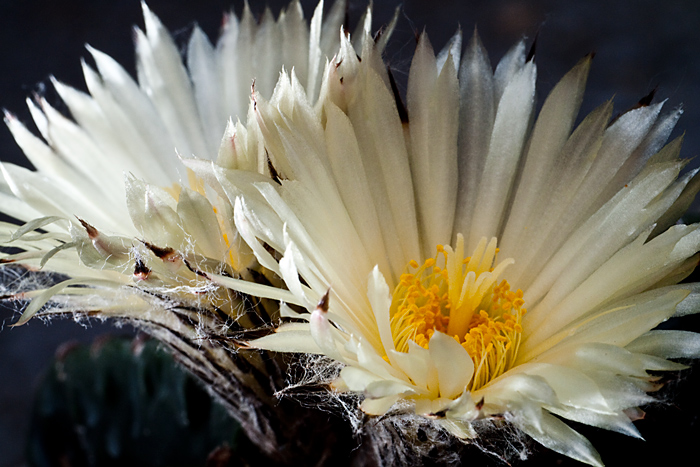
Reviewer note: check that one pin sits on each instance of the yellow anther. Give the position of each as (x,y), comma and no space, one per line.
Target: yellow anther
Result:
(486,322)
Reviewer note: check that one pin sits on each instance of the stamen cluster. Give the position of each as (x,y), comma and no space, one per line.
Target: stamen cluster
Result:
(422,304)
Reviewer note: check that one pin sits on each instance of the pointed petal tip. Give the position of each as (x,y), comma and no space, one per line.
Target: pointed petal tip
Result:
(475,34)
(91,231)
(323,302)
(145,9)
(533,48)
(647,100)
(586,60)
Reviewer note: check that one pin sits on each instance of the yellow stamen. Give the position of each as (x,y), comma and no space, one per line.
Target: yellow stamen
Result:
(461,297)
(173,190)
(196,183)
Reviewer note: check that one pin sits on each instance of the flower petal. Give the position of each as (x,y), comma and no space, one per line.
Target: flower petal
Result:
(454,365)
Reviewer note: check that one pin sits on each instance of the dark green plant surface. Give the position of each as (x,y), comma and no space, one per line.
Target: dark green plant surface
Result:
(125,402)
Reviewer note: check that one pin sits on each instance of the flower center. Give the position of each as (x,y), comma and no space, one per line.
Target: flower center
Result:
(461,297)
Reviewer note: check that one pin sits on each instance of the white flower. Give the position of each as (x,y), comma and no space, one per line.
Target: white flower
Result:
(461,261)
(124,143)
(453,256)
(175,108)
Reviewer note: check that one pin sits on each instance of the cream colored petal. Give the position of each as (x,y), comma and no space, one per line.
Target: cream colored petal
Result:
(45,295)
(295,39)
(462,408)
(346,164)
(650,145)
(47,197)
(507,142)
(380,300)
(690,304)
(417,368)
(551,131)
(381,139)
(315,53)
(633,269)
(120,88)
(691,183)
(256,290)
(153,213)
(433,112)
(268,40)
(42,157)
(203,69)
(369,359)
(508,68)
(572,387)
(558,436)
(317,239)
(357,379)
(667,344)
(246,222)
(554,223)
(623,218)
(417,365)
(296,341)
(383,388)
(596,357)
(460,429)
(454,365)
(518,393)
(477,111)
(452,50)
(163,77)
(199,221)
(132,132)
(620,141)
(623,392)
(70,181)
(72,143)
(94,122)
(324,334)
(290,275)
(332,24)
(378,406)
(618,422)
(618,325)
(287,312)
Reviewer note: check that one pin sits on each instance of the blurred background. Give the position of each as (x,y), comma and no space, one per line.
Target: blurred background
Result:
(640,45)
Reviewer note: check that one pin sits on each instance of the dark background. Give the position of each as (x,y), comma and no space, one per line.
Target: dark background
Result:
(640,45)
